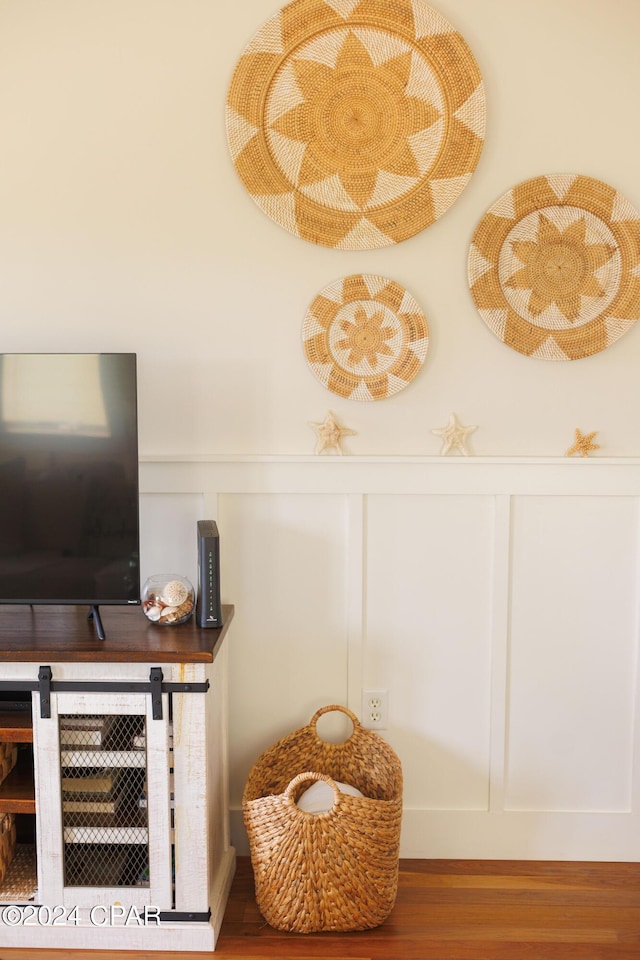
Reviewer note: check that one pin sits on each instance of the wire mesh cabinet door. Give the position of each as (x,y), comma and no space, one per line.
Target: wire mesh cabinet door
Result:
(103,801)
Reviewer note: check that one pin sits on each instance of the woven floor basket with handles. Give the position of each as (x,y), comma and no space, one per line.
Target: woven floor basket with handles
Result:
(331,871)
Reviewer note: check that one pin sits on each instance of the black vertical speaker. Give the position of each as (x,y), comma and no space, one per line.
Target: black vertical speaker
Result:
(208,606)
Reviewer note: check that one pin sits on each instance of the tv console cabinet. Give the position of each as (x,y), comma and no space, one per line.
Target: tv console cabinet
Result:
(120,793)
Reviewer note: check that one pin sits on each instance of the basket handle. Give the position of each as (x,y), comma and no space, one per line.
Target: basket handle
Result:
(334,706)
(309,775)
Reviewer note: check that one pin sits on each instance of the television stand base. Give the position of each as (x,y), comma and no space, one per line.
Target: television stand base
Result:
(94,614)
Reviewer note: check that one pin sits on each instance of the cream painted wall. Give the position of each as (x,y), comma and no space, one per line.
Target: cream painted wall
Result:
(123,226)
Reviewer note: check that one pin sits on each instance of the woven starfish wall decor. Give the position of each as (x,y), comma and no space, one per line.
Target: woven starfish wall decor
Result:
(583,444)
(454,436)
(330,434)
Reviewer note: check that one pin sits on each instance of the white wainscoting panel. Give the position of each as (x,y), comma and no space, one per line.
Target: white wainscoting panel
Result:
(288,648)
(573,653)
(496,600)
(428,620)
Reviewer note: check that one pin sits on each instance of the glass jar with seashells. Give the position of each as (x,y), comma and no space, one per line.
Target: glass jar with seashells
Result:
(168,599)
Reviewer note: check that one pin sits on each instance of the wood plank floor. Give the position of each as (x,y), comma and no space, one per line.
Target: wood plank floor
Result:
(446,910)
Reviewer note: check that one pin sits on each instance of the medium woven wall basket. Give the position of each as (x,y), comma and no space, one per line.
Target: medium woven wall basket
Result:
(331,871)
(554,267)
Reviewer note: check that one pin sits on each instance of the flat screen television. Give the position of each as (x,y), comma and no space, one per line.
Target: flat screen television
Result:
(69,517)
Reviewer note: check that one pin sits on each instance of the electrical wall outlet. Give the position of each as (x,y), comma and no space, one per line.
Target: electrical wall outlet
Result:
(375,709)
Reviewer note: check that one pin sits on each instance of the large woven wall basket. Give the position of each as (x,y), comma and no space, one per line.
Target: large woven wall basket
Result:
(336,870)
(356,123)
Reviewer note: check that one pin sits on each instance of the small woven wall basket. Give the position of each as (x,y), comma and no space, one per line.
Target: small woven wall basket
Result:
(365,337)
(7,842)
(331,871)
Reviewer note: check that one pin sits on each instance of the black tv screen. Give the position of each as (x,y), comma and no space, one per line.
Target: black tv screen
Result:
(69,519)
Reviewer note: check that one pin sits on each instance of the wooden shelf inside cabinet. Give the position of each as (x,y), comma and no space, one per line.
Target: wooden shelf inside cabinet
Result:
(16,726)
(17,791)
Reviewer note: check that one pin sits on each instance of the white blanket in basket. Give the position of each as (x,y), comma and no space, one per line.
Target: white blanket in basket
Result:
(319,797)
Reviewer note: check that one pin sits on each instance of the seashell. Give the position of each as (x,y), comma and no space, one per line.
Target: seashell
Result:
(185,608)
(153,613)
(175,593)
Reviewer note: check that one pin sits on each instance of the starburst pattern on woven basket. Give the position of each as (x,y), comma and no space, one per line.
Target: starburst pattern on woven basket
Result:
(365,337)
(356,123)
(554,267)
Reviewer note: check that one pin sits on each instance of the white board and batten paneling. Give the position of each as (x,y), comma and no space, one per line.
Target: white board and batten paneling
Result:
(496,600)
